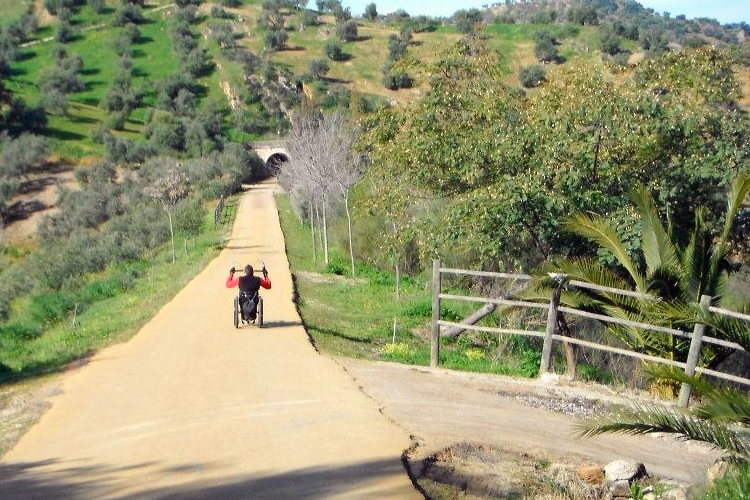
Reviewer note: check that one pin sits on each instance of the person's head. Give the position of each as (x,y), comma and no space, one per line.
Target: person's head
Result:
(249,270)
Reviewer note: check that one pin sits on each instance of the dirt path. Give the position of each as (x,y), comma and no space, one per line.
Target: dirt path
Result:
(192,408)
(443,408)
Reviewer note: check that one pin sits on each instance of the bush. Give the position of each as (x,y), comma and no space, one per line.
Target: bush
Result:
(276,39)
(318,68)
(334,52)
(309,18)
(128,13)
(23,155)
(347,31)
(231,3)
(98,6)
(532,76)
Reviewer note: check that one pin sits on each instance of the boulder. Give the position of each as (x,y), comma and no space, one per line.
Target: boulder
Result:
(624,470)
(592,474)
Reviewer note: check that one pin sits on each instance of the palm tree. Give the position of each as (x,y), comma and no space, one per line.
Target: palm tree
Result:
(675,276)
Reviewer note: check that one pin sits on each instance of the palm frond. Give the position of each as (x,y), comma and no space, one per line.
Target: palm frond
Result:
(720,404)
(658,249)
(638,420)
(737,195)
(599,230)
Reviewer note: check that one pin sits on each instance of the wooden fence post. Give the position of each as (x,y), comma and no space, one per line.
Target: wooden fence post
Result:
(435,334)
(544,366)
(693,355)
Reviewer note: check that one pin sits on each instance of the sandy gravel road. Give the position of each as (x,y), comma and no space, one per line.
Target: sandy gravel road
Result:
(443,407)
(193,408)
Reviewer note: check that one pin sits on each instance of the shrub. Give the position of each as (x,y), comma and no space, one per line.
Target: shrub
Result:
(23,155)
(128,13)
(334,52)
(276,39)
(532,76)
(98,6)
(231,3)
(347,31)
(318,68)
(309,18)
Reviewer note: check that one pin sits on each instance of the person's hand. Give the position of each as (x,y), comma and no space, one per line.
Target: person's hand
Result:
(231,271)
(265,272)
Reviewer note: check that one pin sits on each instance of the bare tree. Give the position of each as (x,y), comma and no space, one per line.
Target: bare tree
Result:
(168,191)
(323,167)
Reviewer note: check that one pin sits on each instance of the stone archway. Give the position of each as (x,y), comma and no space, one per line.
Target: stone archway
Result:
(274,162)
(273,154)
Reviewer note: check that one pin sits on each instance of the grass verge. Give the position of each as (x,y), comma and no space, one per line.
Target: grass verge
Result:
(361,317)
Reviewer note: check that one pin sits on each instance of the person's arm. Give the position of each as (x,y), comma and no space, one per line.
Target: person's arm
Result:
(231,280)
(265,281)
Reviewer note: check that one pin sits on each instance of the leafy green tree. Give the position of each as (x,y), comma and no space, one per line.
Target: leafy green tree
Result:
(466,20)
(371,11)
(471,141)
(128,13)
(24,155)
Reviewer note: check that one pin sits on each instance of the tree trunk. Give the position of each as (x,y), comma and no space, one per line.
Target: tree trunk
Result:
(325,234)
(571,357)
(320,225)
(171,233)
(312,232)
(349,221)
(398,282)
(473,318)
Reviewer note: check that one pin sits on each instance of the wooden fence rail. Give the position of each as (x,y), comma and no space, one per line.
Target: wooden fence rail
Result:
(697,338)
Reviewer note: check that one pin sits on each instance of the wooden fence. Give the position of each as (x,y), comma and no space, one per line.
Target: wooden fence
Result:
(553,308)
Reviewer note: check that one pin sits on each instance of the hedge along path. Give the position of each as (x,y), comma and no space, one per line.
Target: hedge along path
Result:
(193,408)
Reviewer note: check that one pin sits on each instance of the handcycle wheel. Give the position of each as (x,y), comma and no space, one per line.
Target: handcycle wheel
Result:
(236,313)
(260,312)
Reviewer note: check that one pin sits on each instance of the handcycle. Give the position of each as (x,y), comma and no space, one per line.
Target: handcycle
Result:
(248,308)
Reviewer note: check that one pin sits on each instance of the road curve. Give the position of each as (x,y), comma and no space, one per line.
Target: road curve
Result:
(193,408)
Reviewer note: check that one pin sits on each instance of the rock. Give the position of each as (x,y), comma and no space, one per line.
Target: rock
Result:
(676,493)
(550,378)
(649,496)
(620,489)
(624,470)
(716,471)
(592,474)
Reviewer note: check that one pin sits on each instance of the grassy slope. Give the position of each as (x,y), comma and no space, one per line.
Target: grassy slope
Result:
(116,318)
(154,59)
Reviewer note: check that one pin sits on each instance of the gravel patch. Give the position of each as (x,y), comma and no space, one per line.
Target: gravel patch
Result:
(576,407)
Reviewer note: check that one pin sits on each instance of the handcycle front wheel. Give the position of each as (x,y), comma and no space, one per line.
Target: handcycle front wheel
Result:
(260,312)
(236,313)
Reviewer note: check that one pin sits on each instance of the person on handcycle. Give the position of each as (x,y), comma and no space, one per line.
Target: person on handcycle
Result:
(249,284)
